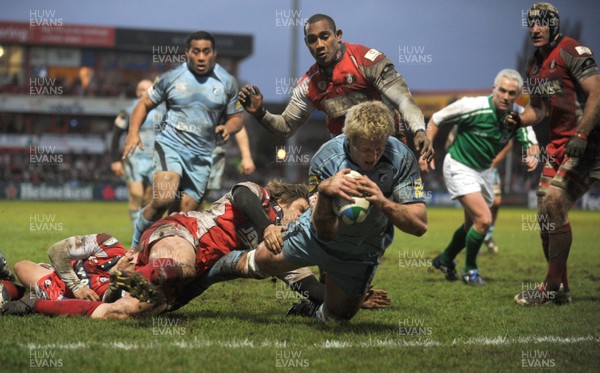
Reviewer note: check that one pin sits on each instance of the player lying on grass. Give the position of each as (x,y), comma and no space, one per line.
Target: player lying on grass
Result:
(80,269)
(231,223)
(349,254)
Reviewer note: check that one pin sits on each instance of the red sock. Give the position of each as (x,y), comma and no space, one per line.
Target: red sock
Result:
(559,245)
(14,291)
(161,270)
(66,307)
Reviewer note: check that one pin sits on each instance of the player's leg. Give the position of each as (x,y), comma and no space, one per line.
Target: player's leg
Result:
(445,261)
(136,191)
(189,204)
(477,208)
(29,273)
(460,180)
(165,186)
(557,194)
(489,240)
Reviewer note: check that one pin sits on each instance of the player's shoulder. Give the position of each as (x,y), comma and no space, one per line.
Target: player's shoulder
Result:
(106,241)
(574,47)
(465,105)
(221,73)
(396,148)
(364,55)
(331,154)
(172,75)
(254,187)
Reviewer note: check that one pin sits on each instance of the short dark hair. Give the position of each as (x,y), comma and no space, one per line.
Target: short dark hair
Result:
(200,35)
(319,17)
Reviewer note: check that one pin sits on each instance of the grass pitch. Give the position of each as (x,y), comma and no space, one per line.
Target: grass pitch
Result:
(240,326)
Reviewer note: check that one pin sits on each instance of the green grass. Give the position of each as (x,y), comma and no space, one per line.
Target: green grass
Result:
(240,326)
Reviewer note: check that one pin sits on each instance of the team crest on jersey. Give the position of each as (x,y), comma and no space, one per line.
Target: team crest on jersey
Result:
(338,55)
(583,50)
(552,64)
(216,90)
(322,85)
(313,183)
(418,188)
(372,54)
(349,78)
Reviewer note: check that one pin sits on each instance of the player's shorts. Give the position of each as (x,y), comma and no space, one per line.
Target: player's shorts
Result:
(52,287)
(217,170)
(462,180)
(574,176)
(139,169)
(496,183)
(193,169)
(301,247)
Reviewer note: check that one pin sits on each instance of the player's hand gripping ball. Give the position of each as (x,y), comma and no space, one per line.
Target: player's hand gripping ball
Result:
(351,212)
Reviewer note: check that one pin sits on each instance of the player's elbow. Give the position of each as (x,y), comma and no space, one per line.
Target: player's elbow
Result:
(326,229)
(420,229)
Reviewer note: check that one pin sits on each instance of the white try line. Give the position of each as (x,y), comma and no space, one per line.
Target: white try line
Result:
(196,343)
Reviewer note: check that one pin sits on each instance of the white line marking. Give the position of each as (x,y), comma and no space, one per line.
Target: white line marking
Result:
(327,344)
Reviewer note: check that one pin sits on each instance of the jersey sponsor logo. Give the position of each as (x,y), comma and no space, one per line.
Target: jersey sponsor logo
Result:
(418,188)
(372,54)
(583,50)
(181,87)
(110,242)
(338,106)
(552,64)
(313,183)
(534,69)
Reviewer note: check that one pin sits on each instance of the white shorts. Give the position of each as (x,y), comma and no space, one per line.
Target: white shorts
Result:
(462,180)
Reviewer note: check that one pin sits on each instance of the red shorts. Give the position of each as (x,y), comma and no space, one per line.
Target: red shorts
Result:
(574,176)
(52,287)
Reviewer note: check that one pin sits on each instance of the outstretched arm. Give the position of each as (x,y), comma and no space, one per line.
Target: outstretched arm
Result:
(294,116)
(73,248)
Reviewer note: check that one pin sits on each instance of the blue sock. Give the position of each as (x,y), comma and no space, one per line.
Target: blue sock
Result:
(140,226)
(224,269)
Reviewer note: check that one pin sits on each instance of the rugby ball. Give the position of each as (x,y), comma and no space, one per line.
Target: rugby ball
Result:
(351,212)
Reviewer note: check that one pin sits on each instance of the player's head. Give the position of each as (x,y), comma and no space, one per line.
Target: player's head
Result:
(367,128)
(293,199)
(323,39)
(142,87)
(543,23)
(507,88)
(201,52)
